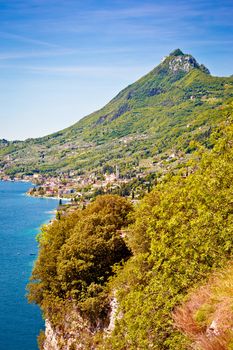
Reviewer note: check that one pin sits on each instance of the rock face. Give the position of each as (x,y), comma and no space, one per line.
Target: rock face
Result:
(184,63)
(213,330)
(76,333)
(51,337)
(112,314)
(72,335)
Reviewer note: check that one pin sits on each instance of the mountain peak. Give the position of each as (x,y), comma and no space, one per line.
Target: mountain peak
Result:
(176,52)
(178,61)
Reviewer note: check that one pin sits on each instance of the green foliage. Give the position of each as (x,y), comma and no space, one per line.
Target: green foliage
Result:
(183,231)
(202,316)
(41,339)
(77,256)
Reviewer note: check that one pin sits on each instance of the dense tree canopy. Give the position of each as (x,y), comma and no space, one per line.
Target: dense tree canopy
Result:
(78,252)
(182,231)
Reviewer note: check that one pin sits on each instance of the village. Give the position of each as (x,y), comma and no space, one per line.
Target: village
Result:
(72,186)
(68,185)
(80,189)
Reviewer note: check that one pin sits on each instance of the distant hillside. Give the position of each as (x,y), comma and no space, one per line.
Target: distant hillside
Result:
(175,104)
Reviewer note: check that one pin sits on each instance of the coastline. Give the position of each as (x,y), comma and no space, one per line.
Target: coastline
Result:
(48,197)
(18,180)
(29,195)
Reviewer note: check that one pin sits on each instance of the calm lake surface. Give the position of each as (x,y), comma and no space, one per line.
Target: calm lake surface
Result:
(20,219)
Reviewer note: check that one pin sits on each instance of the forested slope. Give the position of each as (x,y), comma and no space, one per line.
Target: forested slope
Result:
(147,258)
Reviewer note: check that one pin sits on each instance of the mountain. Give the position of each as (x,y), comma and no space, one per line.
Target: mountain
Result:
(114,275)
(161,113)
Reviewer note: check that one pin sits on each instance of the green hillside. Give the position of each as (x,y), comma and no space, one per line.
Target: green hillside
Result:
(148,258)
(163,112)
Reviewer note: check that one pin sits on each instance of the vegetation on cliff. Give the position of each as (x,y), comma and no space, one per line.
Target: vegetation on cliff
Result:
(78,254)
(206,316)
(182,232)
(175,238)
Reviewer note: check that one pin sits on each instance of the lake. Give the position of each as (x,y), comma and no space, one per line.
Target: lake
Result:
(20,219)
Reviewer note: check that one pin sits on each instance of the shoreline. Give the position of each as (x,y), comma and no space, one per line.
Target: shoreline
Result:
(29,195)
(48,197)
(18,180)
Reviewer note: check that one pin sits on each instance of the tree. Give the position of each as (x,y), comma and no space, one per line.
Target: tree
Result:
(80,250)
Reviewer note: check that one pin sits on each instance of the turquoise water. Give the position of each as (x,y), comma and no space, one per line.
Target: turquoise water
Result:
(20,219)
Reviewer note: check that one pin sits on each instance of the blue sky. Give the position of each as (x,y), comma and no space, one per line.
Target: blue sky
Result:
(60,60)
